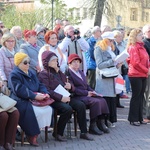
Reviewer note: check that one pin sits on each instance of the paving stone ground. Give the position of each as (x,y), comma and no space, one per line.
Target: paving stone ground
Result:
(123,137)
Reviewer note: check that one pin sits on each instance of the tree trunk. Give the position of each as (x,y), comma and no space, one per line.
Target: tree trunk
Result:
(99,12)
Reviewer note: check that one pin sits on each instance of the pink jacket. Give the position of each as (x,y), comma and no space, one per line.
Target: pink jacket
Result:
(6,63)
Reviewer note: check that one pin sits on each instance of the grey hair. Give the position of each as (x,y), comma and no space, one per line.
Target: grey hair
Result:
(145,28)
(15,28)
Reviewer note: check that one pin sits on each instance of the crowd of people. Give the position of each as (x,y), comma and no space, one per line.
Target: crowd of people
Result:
(33,63)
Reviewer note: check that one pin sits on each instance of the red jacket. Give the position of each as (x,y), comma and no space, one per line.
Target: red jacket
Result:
(138,61)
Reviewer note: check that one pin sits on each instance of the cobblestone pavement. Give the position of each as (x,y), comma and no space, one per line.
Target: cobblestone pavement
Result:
(123,137)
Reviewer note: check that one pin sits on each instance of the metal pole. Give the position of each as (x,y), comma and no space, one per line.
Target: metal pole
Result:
(52,12)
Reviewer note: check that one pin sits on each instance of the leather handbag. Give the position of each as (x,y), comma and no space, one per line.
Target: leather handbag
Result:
(6,103)
(111,72)
(124,70)
(45,102)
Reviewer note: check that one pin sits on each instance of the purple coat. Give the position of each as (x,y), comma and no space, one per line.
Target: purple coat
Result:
(97,105)
(49,79)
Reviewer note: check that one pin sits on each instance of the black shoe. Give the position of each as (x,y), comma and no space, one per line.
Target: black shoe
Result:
(143,122)
(18,136)
(101,125)
(86,136)
(135,123)
(59,137)
(120,106)
(93,129)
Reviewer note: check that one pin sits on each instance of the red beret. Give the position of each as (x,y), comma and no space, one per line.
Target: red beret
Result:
(73,57)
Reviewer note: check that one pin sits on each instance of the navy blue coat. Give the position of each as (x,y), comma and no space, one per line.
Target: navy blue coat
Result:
(22,88)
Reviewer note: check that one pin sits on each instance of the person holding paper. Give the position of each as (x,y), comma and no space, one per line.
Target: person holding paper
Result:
(57,85)
(105,58)
(84,93)
(138,72)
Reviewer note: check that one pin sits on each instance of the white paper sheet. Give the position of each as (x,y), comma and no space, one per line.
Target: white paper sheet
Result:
(61,90)
(122,57)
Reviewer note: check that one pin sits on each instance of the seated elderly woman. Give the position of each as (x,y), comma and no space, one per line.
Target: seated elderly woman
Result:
(8,126)
(23,84)
(97,105)
(51,76)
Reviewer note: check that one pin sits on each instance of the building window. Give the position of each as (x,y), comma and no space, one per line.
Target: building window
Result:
(84,13)
(78,13)
(133,14)
(147,17)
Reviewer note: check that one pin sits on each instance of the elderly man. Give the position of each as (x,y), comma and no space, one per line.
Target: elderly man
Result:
(17,32)
(146,108)
(73,43)
(91,65)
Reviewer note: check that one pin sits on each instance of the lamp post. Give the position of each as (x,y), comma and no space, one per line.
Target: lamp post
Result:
(52,12)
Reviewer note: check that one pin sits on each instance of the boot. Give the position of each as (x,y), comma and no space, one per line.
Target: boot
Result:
(32,140)
(101,125)
(93,129)
(8,146)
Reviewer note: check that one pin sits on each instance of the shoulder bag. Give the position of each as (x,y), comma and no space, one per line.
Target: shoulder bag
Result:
(6,103)
(111,72)
(44,102)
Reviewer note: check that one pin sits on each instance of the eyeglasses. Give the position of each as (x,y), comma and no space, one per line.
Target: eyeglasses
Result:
(10,41)
(111,40)
(26,62)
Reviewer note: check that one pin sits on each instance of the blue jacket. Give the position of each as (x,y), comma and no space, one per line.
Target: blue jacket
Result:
(89,55)
(22,88)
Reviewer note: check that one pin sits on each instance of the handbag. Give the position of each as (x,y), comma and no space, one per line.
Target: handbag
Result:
(45,102)
(6,103)
(124,70)
(111,72)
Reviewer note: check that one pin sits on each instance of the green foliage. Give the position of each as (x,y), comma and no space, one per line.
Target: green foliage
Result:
(43,15)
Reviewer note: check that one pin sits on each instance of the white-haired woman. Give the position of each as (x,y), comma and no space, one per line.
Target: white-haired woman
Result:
(17,32)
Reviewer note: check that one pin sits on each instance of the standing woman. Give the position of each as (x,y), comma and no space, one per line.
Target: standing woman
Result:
(7,53)
(104,57)
(51,39)
(31,49)
(138,72)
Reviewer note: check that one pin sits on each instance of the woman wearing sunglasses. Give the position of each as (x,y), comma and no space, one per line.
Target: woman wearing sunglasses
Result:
(23,84)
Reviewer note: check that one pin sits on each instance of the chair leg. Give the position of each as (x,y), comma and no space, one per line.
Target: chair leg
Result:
(22,138)
(46,134)
(55,123)
(75,123)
